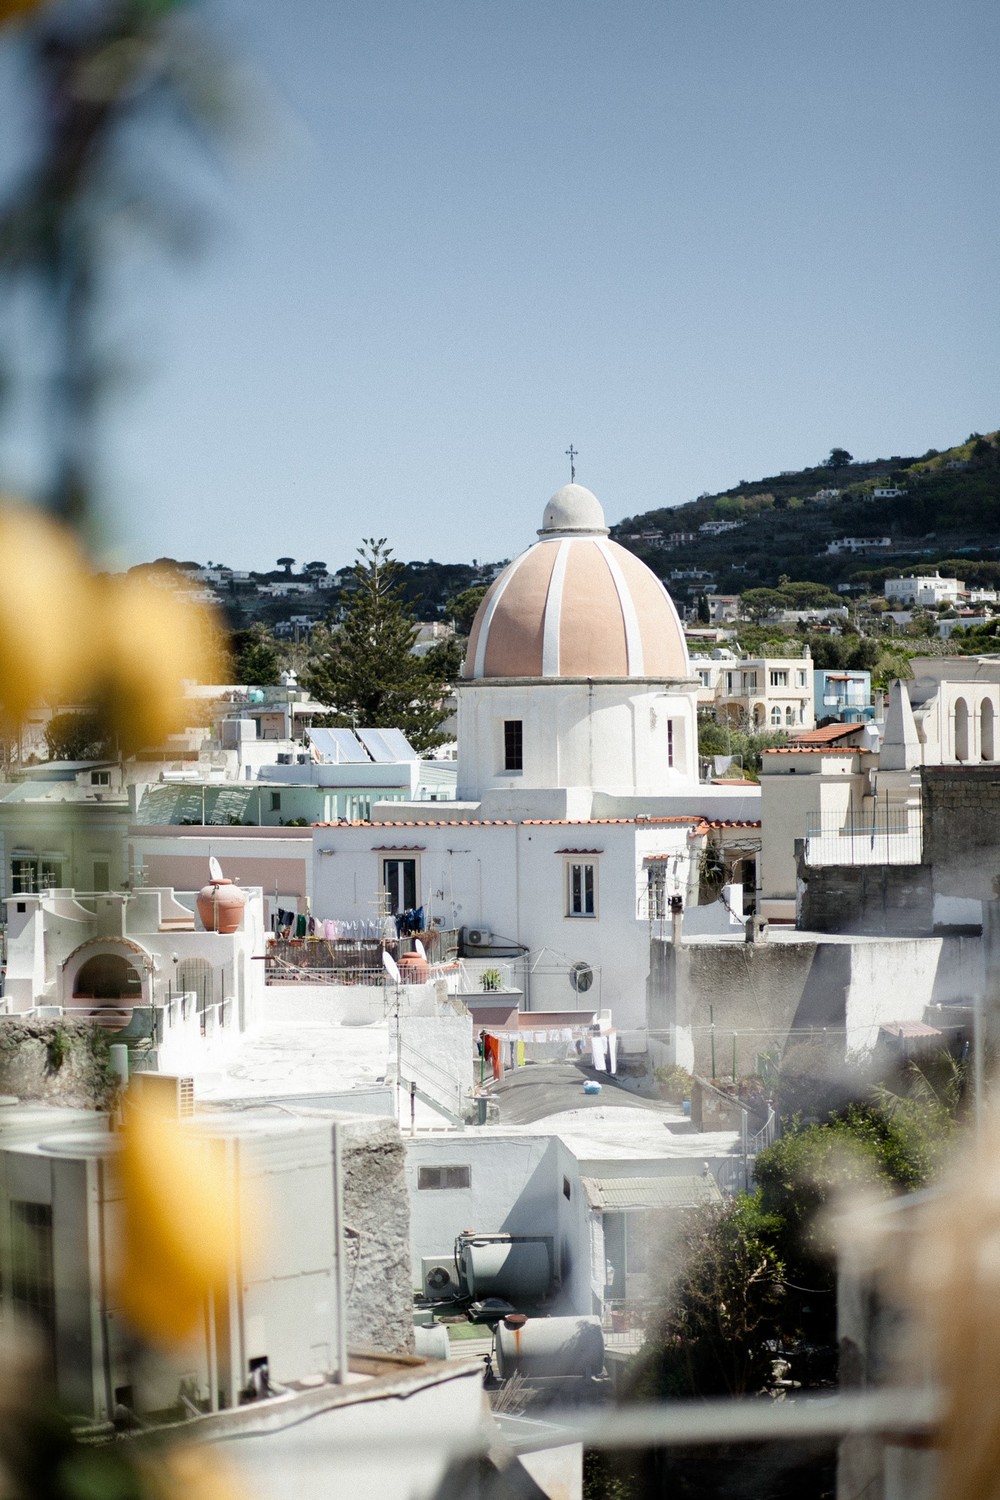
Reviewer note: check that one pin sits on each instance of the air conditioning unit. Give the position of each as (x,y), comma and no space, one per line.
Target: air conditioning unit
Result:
(283,758)
(477,937)
(174,1094)
(439,1278)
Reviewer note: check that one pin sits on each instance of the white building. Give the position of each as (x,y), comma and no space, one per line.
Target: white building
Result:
(579,810)
(859,544)
(142,965)
(762,693)
(925,590)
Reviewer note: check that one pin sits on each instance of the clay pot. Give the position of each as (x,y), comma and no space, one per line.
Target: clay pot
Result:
(413,969)
(220,906)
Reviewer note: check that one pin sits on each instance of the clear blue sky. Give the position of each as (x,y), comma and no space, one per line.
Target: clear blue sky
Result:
(703,241)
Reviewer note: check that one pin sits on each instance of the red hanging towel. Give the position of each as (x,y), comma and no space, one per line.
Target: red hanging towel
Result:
(495,1055)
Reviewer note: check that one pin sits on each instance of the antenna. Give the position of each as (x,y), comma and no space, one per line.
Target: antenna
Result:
(215,869)
(420,950)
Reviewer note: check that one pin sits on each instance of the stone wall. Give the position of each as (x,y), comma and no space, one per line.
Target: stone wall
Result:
(881,900)
(58,1062)
(377,1215)
(962,829)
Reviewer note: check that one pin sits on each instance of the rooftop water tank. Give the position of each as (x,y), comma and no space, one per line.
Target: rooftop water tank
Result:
(550,1347)
(516,1267)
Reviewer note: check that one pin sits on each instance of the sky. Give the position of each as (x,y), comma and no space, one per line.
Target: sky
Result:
(701,240)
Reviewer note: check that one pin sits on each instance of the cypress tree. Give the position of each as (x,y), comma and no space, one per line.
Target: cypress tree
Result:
(366,670)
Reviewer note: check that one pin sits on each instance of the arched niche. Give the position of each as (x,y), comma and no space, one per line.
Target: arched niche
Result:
(961,729)
(987,731)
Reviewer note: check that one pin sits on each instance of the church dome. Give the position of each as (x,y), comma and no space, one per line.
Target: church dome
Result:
(576,604)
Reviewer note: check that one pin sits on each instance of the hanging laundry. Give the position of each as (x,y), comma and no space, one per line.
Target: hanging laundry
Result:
(300,925)
(598,1053)
(494,1054)
(612,1041)
(520,1053)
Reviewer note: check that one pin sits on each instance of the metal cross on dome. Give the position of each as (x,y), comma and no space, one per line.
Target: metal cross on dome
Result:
(572,454)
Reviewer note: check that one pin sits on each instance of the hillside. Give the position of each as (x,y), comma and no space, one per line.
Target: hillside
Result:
(783,524)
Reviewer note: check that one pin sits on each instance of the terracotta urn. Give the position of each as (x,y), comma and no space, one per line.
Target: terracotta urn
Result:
(220,906)
(413,969)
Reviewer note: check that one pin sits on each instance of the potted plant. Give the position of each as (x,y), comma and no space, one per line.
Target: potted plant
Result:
(491,979)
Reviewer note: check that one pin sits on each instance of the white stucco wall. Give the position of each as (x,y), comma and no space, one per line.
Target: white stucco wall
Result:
(511,880)
(516,1186)
(606,735)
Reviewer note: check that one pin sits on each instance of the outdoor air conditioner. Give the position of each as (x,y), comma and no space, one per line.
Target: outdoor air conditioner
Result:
(171,1092)
(284,759)
(439,1278)
(478,937)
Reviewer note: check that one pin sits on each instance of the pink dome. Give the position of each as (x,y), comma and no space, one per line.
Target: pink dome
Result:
(576,604)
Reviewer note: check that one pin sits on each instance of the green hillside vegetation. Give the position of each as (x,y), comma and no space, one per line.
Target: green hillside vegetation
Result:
(949,516)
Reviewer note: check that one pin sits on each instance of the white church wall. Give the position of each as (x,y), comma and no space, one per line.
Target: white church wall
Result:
(630,738)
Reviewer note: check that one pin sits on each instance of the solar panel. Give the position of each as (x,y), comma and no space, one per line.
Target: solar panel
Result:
(386,746)
(337,746)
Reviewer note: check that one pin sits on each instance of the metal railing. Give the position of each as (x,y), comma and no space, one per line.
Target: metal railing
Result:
(886,837)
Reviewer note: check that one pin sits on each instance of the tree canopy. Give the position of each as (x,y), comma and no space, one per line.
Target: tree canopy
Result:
(365,668)
(78,736)
(256,659)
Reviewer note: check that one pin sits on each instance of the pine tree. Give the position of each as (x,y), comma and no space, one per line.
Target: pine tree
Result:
(366,670)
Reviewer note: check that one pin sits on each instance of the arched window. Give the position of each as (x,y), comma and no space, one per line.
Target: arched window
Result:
(987,719)
(776,716)
(790,716)
(961,729)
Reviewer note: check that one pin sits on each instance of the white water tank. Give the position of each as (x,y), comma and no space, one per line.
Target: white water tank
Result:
(499,1265)
(549,1347)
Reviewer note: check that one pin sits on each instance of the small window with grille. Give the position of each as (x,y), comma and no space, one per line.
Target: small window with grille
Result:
(443,1177)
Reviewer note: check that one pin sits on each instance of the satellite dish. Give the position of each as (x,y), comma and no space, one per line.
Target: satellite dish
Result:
(420,949)
(215,869)
(390,966)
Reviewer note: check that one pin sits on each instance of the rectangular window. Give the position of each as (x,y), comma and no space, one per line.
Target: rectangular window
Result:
(275,801)
(23,876)
(443,1177)
(100,778)
(513,745)
(581,889)
(102,875)
(670,742)
(779,679)
(399,881)
(656,893)
(50,875)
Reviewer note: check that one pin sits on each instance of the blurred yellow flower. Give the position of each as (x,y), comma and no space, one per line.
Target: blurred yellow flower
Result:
(179,1231)
(46,616)
(153,639)
(187,1472)
(127,642)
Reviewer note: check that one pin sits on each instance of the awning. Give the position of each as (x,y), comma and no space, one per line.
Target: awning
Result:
(616,1193)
